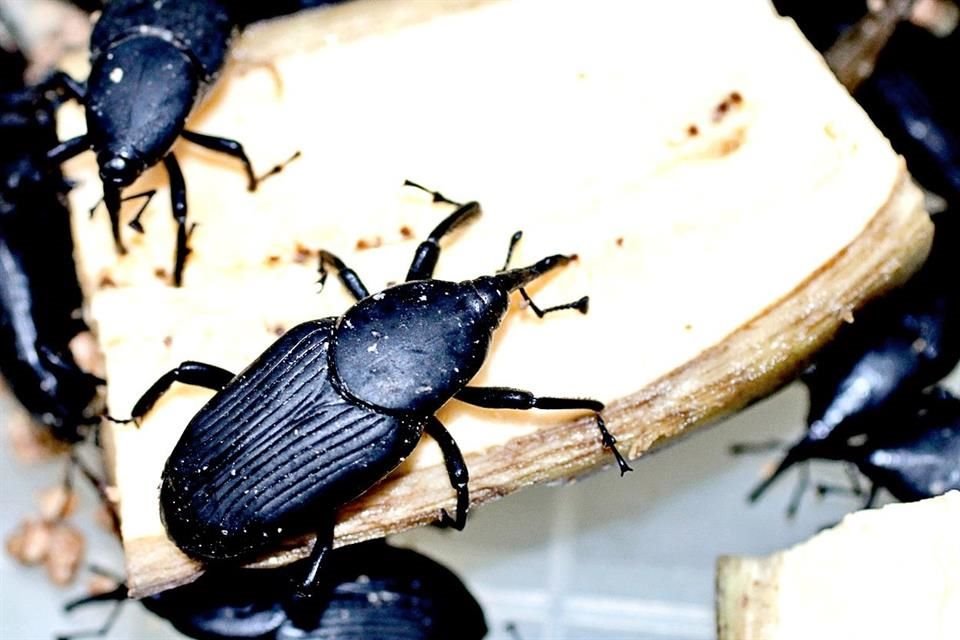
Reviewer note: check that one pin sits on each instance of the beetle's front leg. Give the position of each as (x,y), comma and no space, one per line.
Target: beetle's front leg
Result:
(456,470)
(347,276)
(63,82)
(193,373)
(428,251)
(509,398)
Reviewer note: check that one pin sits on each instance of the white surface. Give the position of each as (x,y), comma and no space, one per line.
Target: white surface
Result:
(605,558)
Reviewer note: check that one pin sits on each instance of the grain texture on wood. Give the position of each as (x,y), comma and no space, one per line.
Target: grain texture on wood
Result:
(730,205)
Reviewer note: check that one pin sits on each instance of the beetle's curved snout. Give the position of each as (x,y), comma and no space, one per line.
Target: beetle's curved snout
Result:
(120,169)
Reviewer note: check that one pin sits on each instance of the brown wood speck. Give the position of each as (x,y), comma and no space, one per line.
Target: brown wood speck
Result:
(373,243)
(302,254)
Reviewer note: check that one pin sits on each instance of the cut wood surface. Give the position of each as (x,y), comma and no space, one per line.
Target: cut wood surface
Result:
(887,573)
(730,205)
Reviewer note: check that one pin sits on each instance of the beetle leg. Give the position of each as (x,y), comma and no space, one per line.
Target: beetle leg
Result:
(60,81)
(740,448)
(193,373)
(425,258)
(118,596)
(229,147)
(802,483)
(456,470)
(68,149)
(347,276)
(321,549)
(509,398)
(178,204)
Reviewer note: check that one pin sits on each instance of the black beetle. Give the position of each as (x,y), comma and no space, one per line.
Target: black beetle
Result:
(335,404)
(151,63)
(915,455)
(901,344)
(369,591)
(40,297)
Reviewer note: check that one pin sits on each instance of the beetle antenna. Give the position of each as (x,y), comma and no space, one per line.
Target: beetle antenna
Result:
(437,196)
(514,239)
(278,167)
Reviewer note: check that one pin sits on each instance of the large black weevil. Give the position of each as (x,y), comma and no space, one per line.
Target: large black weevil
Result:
(335,404)
(151,63)
(895,348)
(40,298)
(369,591)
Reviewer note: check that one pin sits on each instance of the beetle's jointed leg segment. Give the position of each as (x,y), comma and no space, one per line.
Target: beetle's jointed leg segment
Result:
(198,374)
(456,470)
(227,146)
(509,398)
(347,276)
(428,252)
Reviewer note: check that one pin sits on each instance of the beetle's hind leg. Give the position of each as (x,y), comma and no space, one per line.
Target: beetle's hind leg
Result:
(428,252)
(198,374)
(347,276)
(456,470)
(509,398)
(301,609)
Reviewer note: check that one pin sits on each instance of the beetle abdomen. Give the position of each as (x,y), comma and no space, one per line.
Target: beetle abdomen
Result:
(278,446)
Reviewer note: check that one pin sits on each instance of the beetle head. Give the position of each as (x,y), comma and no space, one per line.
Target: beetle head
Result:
(119,168)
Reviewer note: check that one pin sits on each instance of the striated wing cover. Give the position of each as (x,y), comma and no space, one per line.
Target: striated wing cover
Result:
(275,452)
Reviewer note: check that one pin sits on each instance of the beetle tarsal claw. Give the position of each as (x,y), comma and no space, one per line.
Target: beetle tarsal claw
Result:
(610,442)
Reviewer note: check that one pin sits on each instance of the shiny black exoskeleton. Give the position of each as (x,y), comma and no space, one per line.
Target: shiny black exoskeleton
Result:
(895,348)
(40,297)
(152,61)
(335,404)
(369,591)
(918,458)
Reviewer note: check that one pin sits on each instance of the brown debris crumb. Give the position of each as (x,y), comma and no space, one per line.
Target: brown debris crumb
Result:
(273,259)
(160,273)
(372,243)
(619,241)
(406,232)
(302,254)
(106,282)
(693,130)
(30,542)
(278,330)
(167,341)
(31,442)
(67,545)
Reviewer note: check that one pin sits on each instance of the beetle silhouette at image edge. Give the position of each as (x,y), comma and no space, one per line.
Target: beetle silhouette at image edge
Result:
(335,404)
